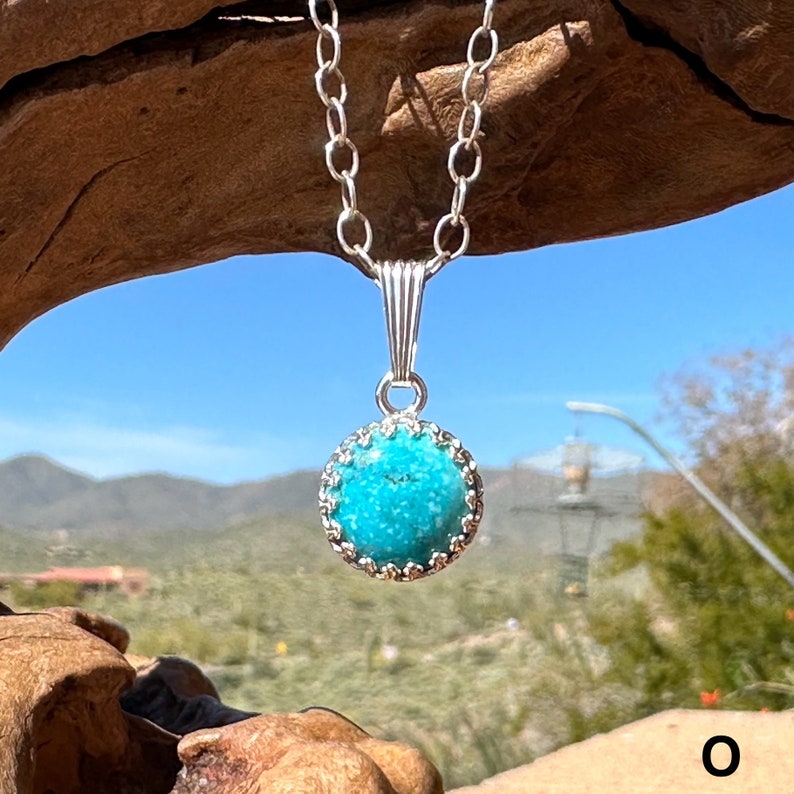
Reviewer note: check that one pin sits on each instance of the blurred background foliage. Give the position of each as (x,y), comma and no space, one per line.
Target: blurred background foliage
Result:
(487,666)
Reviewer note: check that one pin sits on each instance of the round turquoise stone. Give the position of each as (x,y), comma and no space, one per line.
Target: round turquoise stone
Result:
(399,496)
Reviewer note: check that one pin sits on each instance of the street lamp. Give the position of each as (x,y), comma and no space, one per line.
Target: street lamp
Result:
(579,512)
(733,520)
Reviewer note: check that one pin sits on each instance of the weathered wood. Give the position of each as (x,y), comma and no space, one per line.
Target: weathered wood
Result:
(316,750)
(148,137)
(62,726)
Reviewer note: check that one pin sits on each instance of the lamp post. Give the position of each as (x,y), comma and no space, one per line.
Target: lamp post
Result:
(579,512)
(733,520)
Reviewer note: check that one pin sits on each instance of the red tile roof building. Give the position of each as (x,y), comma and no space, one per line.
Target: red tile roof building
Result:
(132,581)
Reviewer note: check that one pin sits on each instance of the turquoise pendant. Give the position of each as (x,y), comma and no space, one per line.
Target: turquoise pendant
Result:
(400,499)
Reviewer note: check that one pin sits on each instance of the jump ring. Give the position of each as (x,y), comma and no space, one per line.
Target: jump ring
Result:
(483,33)
(336,143)
(368,266)
(487,16)
(316,19)
(320,75)
(458,199)
(328,32)
(415,383)
(473,109)
(448,220)
(453,153)
(349,198)
(336,108)
(464,89)
(345,217)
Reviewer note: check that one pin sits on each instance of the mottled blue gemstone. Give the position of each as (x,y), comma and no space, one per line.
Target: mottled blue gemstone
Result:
(399,498)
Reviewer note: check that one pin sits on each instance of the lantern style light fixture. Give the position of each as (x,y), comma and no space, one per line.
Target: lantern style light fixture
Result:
(580,510)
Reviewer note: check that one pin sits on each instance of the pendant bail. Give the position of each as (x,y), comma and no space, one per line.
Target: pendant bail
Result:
(402,283)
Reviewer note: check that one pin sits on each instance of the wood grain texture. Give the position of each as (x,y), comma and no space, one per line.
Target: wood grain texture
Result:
(150,137)
(312,751)
(63,729)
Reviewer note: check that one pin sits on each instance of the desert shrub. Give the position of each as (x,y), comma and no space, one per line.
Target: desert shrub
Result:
(47,594)
(727,614)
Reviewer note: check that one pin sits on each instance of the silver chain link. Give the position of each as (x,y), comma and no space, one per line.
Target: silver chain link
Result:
(474,90)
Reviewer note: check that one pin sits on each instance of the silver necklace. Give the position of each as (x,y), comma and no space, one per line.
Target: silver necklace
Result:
(401,498)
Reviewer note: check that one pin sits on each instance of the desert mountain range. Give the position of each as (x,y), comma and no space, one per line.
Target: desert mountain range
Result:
(38,494)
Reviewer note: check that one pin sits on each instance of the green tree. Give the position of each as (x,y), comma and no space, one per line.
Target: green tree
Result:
(733,407)
(728,617)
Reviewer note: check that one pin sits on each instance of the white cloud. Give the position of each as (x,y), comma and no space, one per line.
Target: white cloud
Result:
(618,399)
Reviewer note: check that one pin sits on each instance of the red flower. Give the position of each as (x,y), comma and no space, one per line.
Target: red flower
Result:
(790,614)
(710,699)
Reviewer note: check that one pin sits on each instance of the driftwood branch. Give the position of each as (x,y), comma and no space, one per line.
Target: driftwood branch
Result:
(148,137)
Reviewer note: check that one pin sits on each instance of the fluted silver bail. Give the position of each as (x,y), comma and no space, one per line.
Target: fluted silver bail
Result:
(402,284)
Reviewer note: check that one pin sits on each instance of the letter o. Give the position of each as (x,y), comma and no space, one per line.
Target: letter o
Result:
(735,756)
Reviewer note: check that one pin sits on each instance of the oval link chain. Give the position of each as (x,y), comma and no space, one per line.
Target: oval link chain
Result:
(468,133)
(336,122)
(474,90)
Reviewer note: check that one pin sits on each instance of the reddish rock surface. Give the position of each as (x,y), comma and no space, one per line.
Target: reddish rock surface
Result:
(663,754)
(148,137)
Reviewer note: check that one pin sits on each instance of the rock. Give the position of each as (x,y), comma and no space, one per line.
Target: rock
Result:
(313,751)
(63,729)
(102,626)
(148,137)
(77,718)
(663,753)
(174,694)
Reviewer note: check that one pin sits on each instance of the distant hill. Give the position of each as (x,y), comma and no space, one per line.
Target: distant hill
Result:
(38,494)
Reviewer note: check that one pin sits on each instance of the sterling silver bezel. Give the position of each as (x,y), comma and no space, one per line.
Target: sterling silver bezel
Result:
(440,559)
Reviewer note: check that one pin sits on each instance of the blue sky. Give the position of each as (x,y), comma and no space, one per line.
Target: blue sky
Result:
(261,365)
